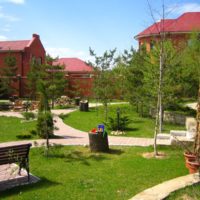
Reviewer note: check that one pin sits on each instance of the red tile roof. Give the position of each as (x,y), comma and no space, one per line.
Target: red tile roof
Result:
(13,45)
(18,45)
(187,22)
(74,65)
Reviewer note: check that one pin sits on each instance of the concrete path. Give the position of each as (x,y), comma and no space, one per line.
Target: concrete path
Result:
(163,190)
(73,136)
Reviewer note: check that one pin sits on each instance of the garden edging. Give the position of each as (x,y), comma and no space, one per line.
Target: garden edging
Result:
(164,189)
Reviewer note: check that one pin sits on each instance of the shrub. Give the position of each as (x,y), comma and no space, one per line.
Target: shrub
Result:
(112,123)
(182,109)
(33,132)
(45,125)
(28,115)
(24,136)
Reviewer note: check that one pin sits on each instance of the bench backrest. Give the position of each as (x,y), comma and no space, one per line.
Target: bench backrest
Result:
(14,154)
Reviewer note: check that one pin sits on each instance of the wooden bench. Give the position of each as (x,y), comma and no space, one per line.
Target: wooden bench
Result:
(18,154)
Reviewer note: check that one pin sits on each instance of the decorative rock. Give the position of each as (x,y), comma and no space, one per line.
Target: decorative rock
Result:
(117,133)
(163,190)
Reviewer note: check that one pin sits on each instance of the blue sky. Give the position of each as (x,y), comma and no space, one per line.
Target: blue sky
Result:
(68,28)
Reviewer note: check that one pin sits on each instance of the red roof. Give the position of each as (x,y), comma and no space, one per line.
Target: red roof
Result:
(18,45)
(74,65)
(187,22)
(13,45)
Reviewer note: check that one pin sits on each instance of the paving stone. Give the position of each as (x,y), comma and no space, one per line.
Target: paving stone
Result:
(163,190)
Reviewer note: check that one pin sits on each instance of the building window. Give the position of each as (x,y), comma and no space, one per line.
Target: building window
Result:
(36,60)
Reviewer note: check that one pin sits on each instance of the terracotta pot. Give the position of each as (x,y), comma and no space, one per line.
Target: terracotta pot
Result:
(193,166)
(189,156)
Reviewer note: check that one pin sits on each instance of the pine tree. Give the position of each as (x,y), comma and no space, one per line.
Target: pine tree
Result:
(8,74)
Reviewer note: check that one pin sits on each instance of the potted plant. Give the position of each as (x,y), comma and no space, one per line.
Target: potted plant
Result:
(192,159)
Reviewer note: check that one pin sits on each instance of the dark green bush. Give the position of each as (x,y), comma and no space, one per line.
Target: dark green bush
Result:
(28,115)
(181,109)
(45,125)
(24,136)
(33,132)
(112,123)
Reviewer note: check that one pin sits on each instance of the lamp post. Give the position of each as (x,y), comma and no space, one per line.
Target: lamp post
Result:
(19,81)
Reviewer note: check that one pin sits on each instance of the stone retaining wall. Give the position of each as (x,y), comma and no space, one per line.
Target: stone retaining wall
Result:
(171,117)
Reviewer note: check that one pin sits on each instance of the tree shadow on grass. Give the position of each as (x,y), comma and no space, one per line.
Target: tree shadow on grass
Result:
(84,157)
(42,184)
(116,151)
(132,129)
(78,156)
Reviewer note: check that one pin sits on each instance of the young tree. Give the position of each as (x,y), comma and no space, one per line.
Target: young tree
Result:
(45,125)
(191,66)
(56,82)
(33,78)
(137,94)
(104,80)
(163,58)
(8,75)
(53,75)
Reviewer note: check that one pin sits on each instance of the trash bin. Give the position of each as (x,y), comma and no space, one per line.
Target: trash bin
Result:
(83,106)
(77,101)
(98,142)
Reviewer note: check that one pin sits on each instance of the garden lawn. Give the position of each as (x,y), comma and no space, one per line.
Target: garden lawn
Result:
(10,127)
(139,127)
(75,173)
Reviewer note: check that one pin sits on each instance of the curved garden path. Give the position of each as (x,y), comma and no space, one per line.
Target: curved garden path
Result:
(71,136)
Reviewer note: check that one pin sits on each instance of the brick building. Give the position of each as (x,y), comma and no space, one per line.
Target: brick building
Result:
(24,51)
(177,30)
(79,76)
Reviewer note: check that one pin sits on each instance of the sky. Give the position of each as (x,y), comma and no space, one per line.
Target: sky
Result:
(67,28)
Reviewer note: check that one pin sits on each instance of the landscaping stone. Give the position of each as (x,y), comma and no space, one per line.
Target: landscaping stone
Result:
(163,190)
(178,133)
(9,177)
(164,136)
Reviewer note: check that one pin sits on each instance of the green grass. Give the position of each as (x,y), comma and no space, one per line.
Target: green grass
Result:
(75,173)
(140,127)
(10,127)
(188,193)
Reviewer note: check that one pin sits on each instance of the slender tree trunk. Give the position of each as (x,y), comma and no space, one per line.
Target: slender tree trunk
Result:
(106,111)
(197,137)
(156,127)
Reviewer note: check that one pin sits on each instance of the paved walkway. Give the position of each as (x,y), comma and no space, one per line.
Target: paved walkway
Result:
(163,190)
(73,136)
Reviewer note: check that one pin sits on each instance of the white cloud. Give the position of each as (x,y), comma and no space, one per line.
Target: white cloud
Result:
(13,1)
(6,29)
(6,17)
(184,7)
(3,38)
(67,53)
